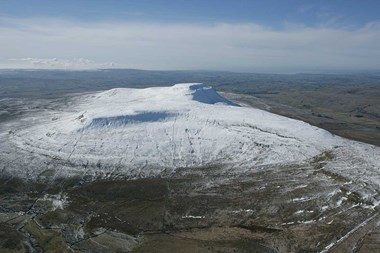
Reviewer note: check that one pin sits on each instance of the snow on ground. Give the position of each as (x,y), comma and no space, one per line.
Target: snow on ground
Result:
(146,132)
(58,201)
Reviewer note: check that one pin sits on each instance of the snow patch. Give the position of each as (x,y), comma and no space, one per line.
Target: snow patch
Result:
(193,217)
(58,201)
(302,199)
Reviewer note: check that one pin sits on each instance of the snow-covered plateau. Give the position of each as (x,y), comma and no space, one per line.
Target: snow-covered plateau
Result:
(206,169)
(154,131)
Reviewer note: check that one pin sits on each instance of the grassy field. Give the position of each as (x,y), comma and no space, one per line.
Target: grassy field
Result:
(348,111)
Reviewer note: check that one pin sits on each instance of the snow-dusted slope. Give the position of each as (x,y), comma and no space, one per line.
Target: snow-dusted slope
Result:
(145,132)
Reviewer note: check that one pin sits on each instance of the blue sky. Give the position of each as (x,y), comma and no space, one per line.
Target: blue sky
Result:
(253,36)
(272,13)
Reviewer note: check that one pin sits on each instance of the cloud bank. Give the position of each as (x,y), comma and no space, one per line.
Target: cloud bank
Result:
(55,63)
(51,43)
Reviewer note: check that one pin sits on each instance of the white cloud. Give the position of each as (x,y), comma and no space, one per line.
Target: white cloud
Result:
(242,47)
(55,63)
